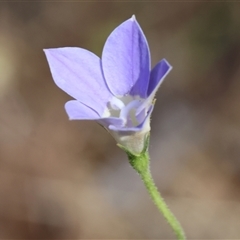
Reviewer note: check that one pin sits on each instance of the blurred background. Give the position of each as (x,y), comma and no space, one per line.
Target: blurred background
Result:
(62,179)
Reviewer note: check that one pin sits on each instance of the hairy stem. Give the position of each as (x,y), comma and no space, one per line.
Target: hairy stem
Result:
(141,164)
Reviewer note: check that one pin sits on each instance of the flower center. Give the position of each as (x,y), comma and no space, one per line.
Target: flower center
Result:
(125,108)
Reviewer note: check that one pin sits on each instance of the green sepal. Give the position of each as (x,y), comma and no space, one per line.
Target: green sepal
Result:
(140,162)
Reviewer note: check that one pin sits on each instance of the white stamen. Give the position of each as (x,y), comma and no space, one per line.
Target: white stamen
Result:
(116,104)
(126,110)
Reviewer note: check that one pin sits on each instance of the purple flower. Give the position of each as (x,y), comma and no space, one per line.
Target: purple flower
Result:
(117,90)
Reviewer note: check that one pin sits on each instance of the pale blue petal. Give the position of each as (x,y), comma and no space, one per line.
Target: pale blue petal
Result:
(78,111)
(126,60)
(78,72)
(141,86)
(157,76)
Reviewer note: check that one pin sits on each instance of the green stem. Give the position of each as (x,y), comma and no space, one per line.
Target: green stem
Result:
(141,164)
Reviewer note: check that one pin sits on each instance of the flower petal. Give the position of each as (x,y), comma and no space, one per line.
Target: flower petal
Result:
(78,111)
(158,73)
(126,60)
(78,72)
